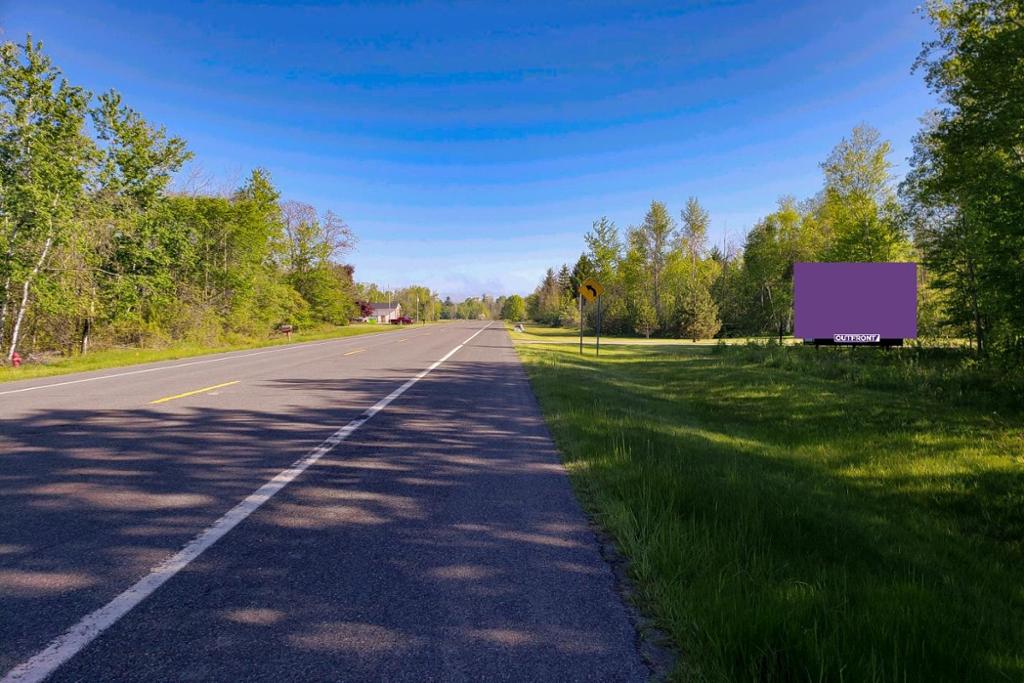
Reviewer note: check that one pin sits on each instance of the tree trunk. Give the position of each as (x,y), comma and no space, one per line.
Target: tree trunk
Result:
(656,277)
(24,298)
(979,328)
(86,327)
(6,303)
(3,308)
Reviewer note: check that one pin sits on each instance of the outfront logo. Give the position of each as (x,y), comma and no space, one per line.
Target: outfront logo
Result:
(856,338)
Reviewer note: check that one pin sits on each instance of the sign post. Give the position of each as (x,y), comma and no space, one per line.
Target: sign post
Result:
(580,296)
(591,290)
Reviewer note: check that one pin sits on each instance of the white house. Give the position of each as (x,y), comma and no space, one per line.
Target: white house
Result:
(385,313)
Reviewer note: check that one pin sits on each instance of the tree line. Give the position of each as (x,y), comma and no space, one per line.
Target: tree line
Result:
(959,212)
(661,276)
(483,307)
(97,247)
(420,303)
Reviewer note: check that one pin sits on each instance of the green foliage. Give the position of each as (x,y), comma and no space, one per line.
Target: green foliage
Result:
(652,241)
(326,288)
(858,215)
(694,235)
(969,250)
(472,308)
(645,318)
(137,160)
(514,309)
(417,302)
(966,187)
(96,249)
(698,315)
(44,161)
(604,248)
(696,292)
(778,241)
(547,301)
(448,309)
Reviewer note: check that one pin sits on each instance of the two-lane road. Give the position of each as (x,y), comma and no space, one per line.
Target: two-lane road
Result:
(437,540)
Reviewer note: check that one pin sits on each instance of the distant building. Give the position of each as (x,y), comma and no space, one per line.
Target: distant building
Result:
(384,313)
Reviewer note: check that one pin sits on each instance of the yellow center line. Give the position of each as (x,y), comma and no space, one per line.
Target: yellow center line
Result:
(193,393)
(349,353)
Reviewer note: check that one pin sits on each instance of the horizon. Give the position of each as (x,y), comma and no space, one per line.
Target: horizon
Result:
(470,148)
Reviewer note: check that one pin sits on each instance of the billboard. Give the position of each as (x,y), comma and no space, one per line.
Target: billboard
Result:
(855,303)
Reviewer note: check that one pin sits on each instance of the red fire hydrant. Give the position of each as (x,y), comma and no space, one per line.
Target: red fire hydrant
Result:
(15,359)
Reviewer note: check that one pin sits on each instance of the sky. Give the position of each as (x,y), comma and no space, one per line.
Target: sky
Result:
(470,145)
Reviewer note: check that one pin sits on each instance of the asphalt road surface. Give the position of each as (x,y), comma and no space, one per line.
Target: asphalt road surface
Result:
(437,540)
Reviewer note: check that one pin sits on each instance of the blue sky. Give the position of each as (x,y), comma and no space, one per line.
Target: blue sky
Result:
(470,145)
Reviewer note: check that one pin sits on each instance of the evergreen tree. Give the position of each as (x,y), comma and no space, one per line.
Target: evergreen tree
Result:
(583,269)
(699,315)
(645,318)
(565,280)
(548,300)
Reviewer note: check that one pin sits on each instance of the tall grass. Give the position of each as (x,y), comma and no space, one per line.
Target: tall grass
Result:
(953,375)
(797,515)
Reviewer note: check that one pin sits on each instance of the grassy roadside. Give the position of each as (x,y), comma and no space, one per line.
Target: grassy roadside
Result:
(786,524)
(114,358)
(542,334)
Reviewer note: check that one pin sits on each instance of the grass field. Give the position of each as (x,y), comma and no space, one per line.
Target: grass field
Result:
(793,515)
(543,334)
(113,358)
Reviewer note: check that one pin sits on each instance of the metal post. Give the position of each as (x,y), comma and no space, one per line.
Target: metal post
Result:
(598,347)
(581,323)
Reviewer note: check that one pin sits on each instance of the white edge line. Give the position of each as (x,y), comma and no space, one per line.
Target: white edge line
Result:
(72,641)
(229,355)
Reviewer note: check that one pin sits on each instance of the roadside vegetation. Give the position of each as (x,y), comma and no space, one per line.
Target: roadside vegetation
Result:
(108,242)
(58,364)
(958,213)
(793,514)
(543,334)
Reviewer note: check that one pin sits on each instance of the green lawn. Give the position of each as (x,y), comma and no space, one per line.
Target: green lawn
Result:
(793,517)
(112,358)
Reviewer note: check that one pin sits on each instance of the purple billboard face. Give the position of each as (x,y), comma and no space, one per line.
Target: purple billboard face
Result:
(851,303)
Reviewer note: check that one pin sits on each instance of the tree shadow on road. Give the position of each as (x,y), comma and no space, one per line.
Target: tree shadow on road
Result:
(441,540)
